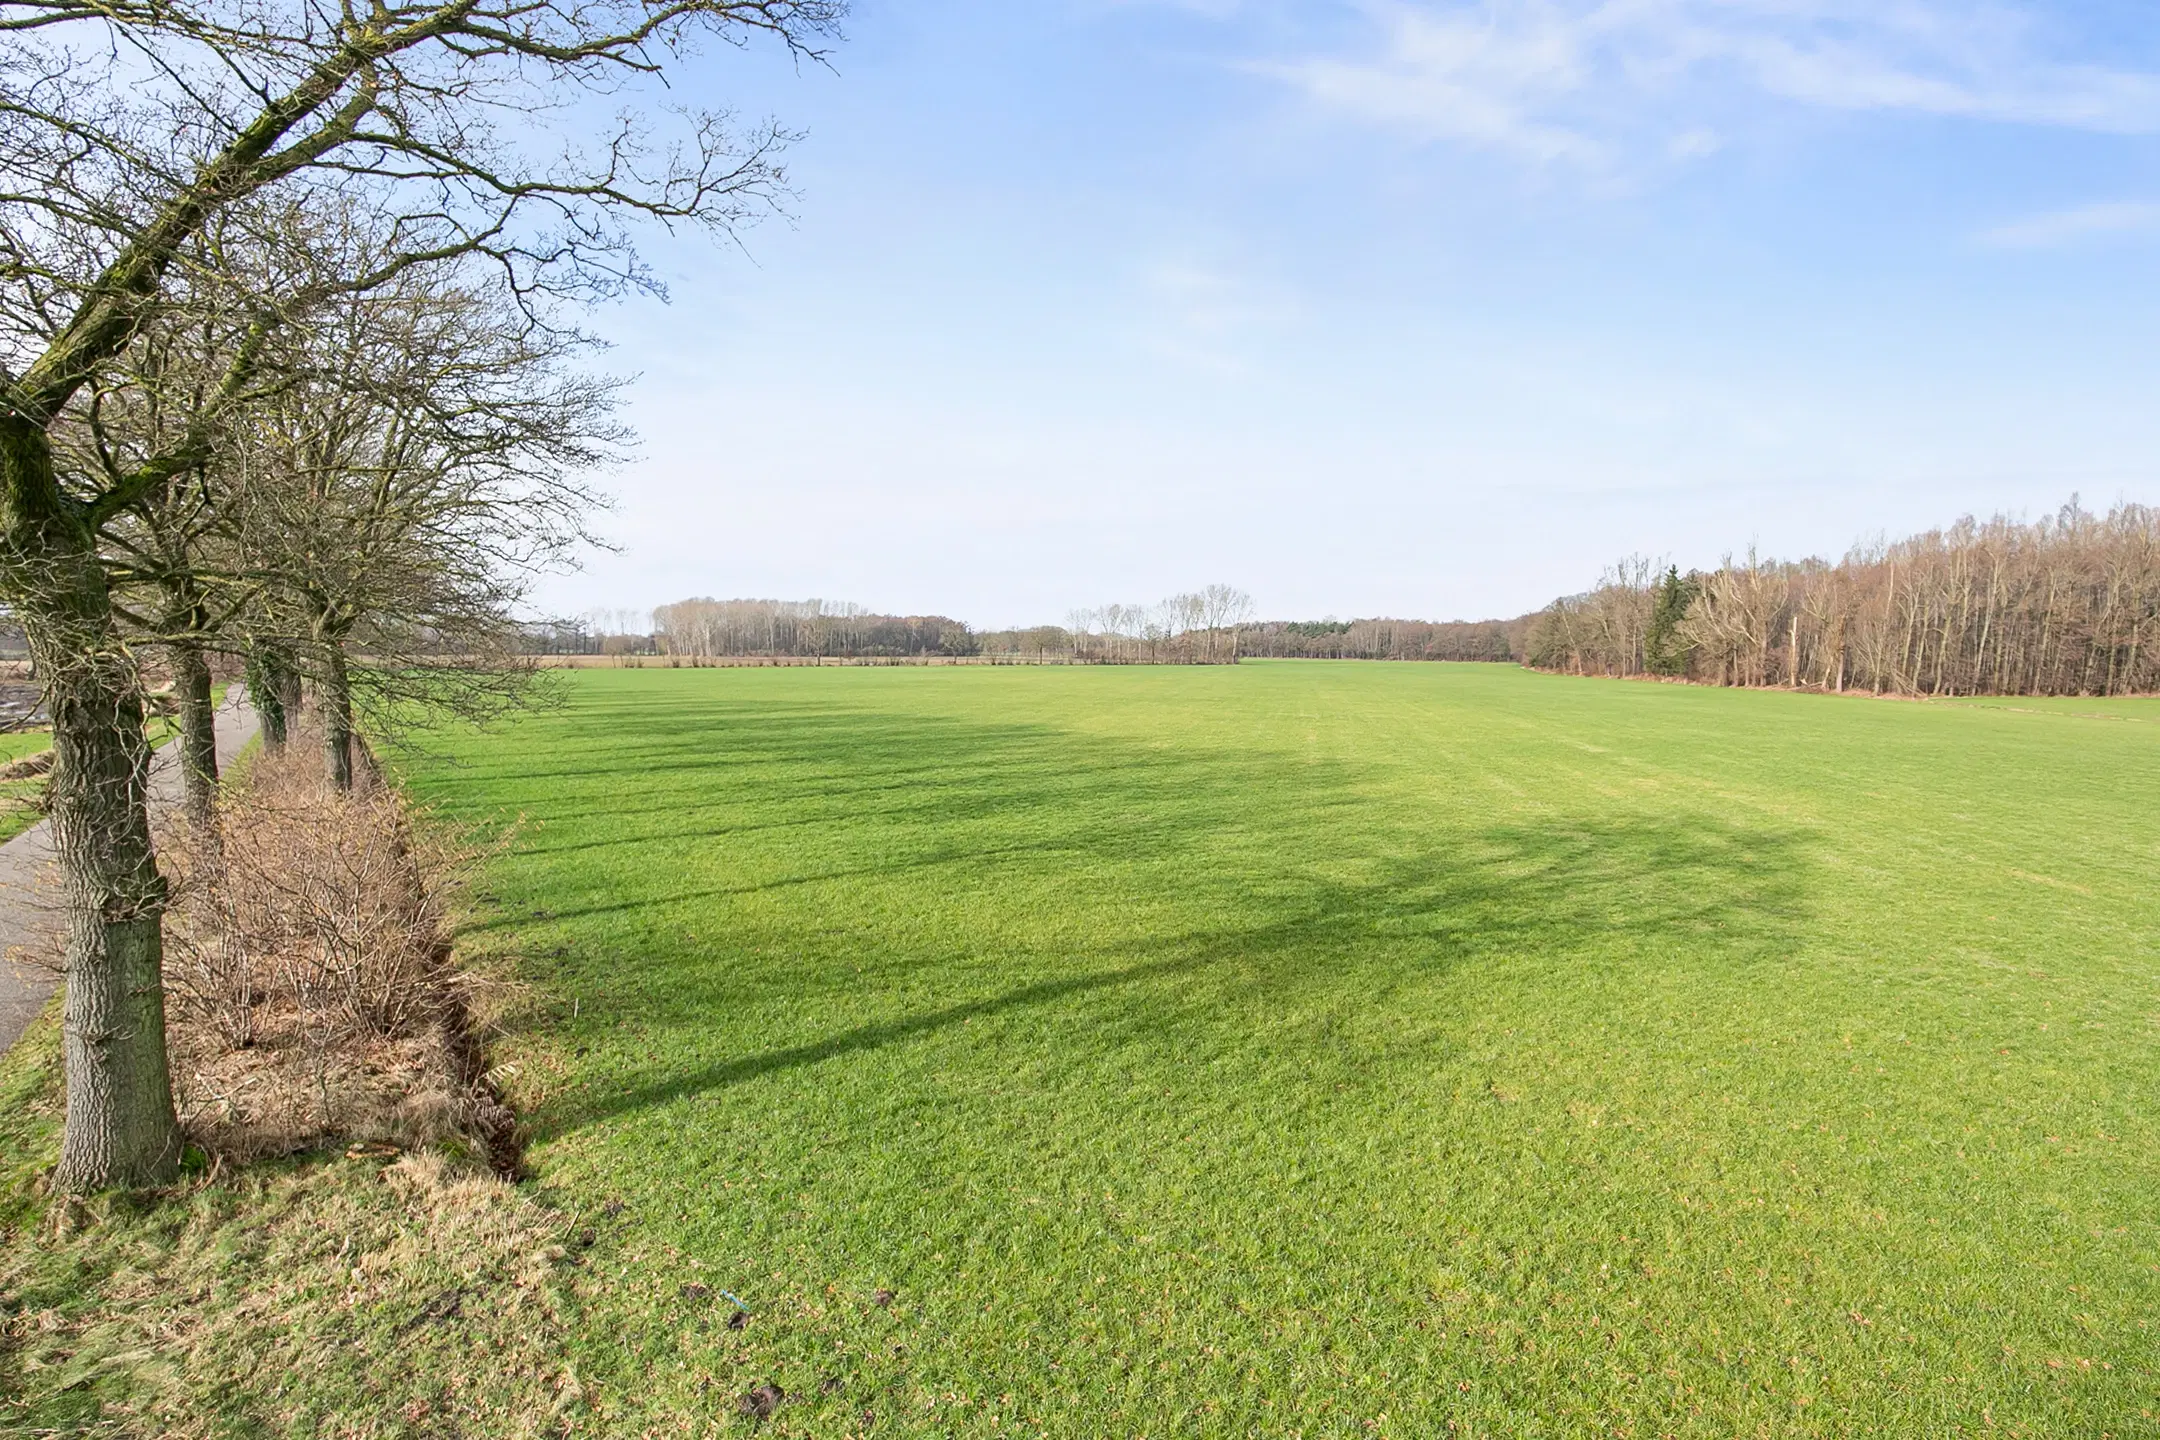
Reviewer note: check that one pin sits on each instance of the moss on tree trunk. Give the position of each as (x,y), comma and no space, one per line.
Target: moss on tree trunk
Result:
(198,735)
(335,703)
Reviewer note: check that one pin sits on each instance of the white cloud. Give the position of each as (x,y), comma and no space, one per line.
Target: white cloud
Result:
(1576,80)
(2068,227)
(1457,77)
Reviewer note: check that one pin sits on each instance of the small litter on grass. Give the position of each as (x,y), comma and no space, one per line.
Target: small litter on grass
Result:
(695,1291)
(740,1320)
(762,1401)
(883,1299)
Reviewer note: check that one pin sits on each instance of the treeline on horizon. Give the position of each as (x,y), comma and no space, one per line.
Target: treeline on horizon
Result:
(1385,639)
(706,629)
(2066,605)
(712,629)
(1199,627)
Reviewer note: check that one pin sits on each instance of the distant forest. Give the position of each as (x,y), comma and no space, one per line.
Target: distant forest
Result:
(2068,605)
(1385,639)
(715,628)
(1207,626)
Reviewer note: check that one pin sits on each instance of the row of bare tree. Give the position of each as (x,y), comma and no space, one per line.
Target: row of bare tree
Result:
(1200,627)
(707,629)
(1383,639)
(2066,605)
(1209,626)
(285,375)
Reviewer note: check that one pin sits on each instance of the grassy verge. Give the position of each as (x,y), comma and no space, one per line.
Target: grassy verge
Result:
(334,1297)
(21,800)
(1288,1049)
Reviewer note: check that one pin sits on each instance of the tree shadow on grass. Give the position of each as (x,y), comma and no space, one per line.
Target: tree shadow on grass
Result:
(1283,886)
(809,771)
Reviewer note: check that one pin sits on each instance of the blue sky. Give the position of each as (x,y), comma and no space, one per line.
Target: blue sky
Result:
(1411,307)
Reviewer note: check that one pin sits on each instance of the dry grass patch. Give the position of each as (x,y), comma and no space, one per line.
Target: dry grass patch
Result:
(340,1298)
(403,1287)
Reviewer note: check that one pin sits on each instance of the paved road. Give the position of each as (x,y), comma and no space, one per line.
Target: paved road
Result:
(30,918)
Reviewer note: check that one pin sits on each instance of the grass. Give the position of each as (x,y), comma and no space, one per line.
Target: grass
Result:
(1321,1049)
(321,1298)
(22,801)
(19,799)
(2119,707)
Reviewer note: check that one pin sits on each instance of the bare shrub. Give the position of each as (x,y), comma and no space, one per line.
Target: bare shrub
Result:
(308,969)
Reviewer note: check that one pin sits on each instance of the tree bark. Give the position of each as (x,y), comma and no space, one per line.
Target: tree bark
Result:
(274,689)
(198,735)
(266,692)
(286,682)
(335,702)
(120,1128)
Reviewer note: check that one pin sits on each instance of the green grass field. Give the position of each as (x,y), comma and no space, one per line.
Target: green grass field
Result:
(1293,1049)
(1324,1049)
(20,806)
(18,798)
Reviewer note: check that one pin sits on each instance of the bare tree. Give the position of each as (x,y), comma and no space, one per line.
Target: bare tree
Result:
(124,131)
(705,628)
(425,454)
(1186,627)
(176,387)
(1223,608)
(2067,605)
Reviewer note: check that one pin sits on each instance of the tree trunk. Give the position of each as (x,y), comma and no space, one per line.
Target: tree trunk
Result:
(290,699)
(120,1128)
(266,690)
(198,735)
(335,702)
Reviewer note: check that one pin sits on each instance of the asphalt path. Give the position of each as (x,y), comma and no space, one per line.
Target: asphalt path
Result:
(31,922)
